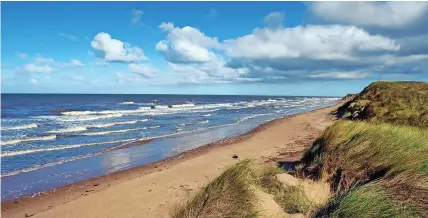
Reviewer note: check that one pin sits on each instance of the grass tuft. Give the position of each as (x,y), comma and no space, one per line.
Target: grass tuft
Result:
(355,154)
(229,195)
(291,198)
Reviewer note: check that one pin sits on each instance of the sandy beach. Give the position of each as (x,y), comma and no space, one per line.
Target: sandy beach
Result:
(153,190)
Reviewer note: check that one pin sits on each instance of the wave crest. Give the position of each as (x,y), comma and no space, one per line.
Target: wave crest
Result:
(113,131)
(16,141)
(59,147)
(87,118)
(28,126)
(71,129)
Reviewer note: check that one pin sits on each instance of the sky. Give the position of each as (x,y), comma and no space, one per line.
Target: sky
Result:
(226,48)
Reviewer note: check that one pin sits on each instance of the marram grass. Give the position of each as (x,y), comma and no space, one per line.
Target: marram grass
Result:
(376,170)
(229,195)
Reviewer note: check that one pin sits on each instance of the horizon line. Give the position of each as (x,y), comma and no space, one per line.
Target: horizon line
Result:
(11,93)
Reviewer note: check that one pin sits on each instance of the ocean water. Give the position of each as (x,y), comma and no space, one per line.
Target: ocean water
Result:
(49,140)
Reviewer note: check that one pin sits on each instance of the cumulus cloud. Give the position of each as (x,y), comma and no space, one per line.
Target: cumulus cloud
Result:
(381,14)
(146,71)
(38,68)
(214,71)
(115,50)
(276,53)
(186,45)
(136,17)
(312,42)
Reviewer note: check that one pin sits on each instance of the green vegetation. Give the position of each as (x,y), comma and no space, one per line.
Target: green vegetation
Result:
(232,194)
(229,195)
(376,170)
(403,103)
(376,162)
(291,198)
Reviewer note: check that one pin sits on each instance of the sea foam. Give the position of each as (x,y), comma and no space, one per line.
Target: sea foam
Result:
(87,118)
(16,141)
(59,147)
(28,126)
(113,131)
(71,129)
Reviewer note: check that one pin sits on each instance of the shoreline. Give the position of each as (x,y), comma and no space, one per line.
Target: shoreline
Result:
(47,200)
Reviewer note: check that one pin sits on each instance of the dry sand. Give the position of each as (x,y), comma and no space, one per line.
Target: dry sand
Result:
(153,190)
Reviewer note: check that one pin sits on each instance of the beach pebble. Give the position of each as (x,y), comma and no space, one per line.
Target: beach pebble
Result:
(235,156)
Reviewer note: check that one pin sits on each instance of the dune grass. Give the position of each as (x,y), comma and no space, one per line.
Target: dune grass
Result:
(404,103)
(377,167)
(369,200)
(292,199)
(229,195)
(376,170)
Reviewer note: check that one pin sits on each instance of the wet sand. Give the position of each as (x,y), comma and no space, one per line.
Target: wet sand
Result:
(153,190)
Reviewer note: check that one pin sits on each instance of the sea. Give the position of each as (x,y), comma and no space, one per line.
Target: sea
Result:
(51,140)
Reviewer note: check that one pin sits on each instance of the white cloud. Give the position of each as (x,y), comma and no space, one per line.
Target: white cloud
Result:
(38,68)
(186,45)
(76,63)
(313,42)
(143,70)
(43,60)
(214,71)
(136,16)
(116,50)
(68,36)
(381,14)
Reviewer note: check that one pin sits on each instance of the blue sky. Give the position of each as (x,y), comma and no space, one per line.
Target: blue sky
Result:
(253,48)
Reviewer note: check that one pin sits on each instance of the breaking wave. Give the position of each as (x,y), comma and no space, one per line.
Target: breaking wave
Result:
(71,129)
(127,102)
(116,123)
(114,131)
(28,126)
(59,147)
(16,141)
(182,105)
(253,116)
(153,127)
(87,118)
